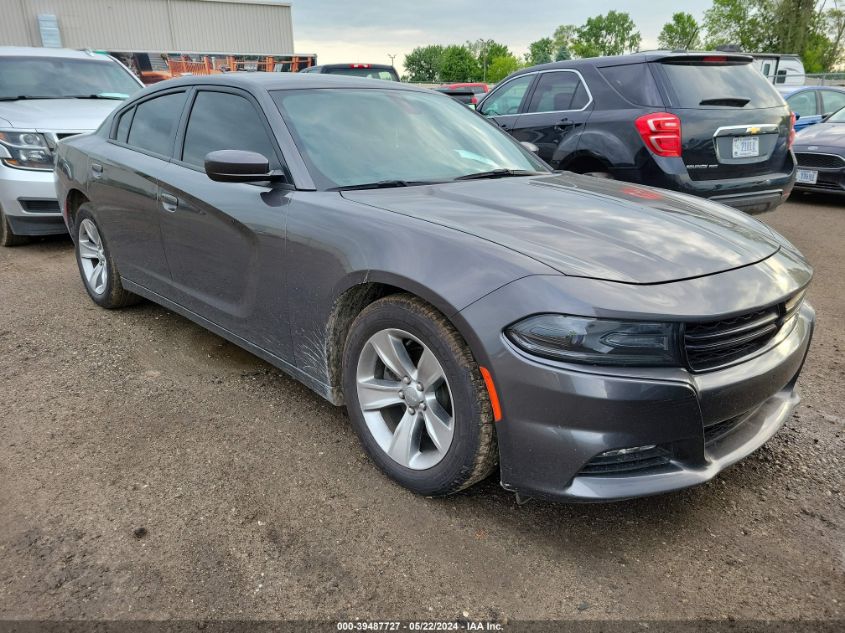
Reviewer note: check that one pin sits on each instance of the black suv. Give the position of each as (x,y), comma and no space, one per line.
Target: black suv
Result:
(707,124)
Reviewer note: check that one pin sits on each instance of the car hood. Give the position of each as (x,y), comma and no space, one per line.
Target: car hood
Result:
(827,135)
(590,227)
(57,114)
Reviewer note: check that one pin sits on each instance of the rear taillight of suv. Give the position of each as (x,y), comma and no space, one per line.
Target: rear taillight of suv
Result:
(791,130)
(661,133)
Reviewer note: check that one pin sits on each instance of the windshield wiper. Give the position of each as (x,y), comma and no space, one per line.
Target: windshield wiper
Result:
(102,95)
(22,97)
(381,184)
(500,173)
(735,102)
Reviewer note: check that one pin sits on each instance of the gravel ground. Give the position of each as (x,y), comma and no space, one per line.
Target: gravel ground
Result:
(151,470)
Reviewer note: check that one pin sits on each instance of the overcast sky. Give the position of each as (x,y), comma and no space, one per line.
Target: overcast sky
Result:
(369,30)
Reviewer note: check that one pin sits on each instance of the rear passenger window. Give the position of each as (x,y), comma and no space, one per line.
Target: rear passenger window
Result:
(558,91)
(221,120)
(155,122)
(833,101)
(122,132)
(634,83)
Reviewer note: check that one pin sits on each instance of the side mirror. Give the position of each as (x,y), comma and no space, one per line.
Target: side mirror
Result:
(233,165)
(530,147)
(797,116)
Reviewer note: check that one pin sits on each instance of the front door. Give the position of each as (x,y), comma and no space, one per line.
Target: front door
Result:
(502,106)
(226,241)
(557,111)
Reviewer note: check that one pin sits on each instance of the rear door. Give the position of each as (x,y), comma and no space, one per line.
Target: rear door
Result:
(557,110)
(503,105)
(124,186)
(734,124)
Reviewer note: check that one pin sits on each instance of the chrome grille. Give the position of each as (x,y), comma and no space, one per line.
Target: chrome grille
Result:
(712,344)
(822,161)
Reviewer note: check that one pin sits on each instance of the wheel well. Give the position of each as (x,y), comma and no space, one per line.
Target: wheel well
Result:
(348,306)
(584,164)
(75,199)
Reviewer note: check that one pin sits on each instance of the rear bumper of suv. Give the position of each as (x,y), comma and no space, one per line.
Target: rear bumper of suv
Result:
(752,194)
(28,200)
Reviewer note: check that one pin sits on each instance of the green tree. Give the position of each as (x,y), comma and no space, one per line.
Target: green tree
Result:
(458,64)
(811,28)
(423,63)
(682,32)
(737,22)
(485,52)
(611,34)
(540,52)
(501,67)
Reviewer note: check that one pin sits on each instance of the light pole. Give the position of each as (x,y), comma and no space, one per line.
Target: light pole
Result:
(392,57)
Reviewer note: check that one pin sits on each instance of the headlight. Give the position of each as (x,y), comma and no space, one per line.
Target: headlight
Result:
(597,341)
(25,150)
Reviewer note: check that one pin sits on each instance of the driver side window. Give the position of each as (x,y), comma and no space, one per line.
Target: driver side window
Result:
(507,99)
(222,120)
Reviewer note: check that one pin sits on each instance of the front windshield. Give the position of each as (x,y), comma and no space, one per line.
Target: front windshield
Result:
(351,137)
(837,117)
(57,78)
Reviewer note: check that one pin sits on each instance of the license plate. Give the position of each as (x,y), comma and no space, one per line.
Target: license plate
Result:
(746,147)
(807,176)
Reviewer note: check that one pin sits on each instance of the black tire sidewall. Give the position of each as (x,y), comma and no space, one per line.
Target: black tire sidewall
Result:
(450,474)
(107,299)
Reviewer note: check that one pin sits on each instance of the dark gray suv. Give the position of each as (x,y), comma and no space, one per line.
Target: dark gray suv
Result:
(706,124)
(400,255)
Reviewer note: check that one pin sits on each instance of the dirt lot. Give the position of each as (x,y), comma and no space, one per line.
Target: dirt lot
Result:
(151,470)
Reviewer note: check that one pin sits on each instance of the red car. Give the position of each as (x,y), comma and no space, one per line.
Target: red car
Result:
(465,92)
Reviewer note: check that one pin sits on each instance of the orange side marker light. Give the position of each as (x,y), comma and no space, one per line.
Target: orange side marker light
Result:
(494,397)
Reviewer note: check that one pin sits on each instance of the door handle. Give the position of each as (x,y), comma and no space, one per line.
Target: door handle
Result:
(168,202)
(96,170)
(563,124)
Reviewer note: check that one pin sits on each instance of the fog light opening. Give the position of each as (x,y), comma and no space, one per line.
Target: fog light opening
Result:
(628,451)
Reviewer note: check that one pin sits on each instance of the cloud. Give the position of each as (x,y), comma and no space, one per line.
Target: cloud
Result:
(370,30)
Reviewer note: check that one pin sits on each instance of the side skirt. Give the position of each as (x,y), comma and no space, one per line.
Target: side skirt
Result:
(322,389)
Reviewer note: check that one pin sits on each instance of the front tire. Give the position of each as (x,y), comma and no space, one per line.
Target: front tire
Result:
(7,237)
(96,264)
(416,397)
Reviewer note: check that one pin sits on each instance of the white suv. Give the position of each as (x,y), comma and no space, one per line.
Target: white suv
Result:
(47,94)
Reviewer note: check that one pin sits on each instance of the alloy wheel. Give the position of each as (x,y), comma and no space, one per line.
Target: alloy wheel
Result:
(92,256)
(405,399)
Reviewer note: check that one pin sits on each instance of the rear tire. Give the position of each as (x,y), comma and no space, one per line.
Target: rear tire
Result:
(7,237)
(448,442)
(96,264)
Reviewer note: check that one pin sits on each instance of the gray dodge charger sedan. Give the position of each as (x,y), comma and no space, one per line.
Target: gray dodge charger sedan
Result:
(402,256)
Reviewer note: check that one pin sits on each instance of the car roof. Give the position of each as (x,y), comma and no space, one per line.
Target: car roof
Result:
(63,53)
(355,65)
(282,81)
(633,58)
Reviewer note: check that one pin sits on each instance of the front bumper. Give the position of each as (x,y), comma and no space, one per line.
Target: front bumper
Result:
(558,418)
(28,200)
